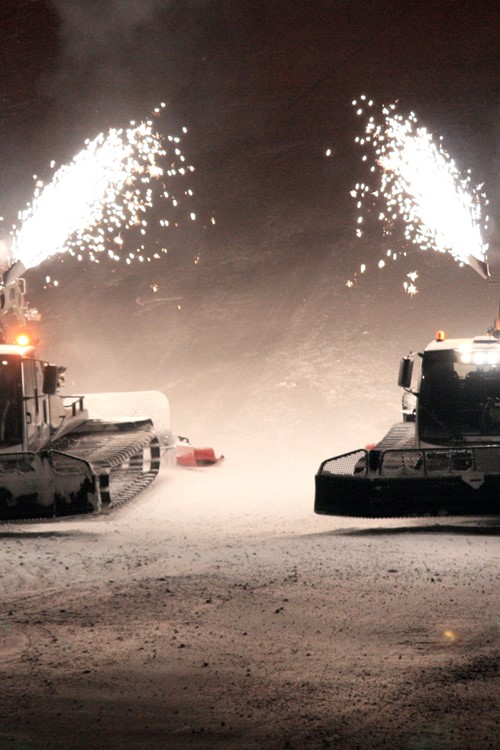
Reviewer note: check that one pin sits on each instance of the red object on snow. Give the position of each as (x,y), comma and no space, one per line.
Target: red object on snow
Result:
(188,455)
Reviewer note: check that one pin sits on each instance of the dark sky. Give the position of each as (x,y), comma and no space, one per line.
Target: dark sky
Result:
(264,87)
(267,76)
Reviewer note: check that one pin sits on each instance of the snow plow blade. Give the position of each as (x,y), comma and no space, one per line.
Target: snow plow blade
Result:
(410,483)
(45,485)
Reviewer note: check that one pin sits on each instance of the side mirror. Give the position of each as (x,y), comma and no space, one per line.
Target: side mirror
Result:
(405,372)
(50,379)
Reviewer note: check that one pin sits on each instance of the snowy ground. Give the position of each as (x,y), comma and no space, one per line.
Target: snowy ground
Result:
(217,611)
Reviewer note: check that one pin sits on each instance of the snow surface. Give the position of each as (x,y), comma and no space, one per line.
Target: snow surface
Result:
(218,603)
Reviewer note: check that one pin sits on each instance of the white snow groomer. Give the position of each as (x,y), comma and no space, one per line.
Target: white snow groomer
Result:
(444,457)
(54,459)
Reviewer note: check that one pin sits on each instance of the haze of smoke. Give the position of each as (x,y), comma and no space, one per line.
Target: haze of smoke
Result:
(104,63)
(90,27)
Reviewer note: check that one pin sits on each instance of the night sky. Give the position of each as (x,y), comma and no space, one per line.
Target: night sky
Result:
(264,89)
(270,79)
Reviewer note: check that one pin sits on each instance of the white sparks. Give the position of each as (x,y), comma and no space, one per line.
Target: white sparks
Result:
(104,190)
(440,208)
(410,289)
(421,186)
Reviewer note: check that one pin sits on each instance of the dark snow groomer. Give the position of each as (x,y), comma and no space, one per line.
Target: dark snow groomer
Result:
(444,457)
(54,460)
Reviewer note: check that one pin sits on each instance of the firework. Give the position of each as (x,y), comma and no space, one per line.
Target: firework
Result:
(106,189)
(419,185)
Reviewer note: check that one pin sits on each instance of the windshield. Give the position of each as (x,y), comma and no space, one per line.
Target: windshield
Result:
(10,401)
(458,400)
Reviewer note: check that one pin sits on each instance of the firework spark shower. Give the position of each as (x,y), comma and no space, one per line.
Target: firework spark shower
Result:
(421,185)
(107,188)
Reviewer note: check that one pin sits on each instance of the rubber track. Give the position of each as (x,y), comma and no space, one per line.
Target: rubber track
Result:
(108,451)
(116,457)
(105,449)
